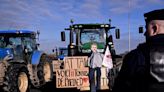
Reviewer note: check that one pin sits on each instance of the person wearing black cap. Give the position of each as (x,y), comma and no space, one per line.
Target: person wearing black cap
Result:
(143,68)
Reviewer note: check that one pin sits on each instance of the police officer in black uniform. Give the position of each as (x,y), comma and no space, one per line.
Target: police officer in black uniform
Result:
(143,68)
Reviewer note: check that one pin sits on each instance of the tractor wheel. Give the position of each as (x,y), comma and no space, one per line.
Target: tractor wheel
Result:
(40,73)
(45,71)
(16,79)
(23,82)
(48,74)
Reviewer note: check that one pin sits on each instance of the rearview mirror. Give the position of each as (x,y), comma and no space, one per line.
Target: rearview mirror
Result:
(62,36)
(53,50)
(141,30)
(38,33)
(117,31)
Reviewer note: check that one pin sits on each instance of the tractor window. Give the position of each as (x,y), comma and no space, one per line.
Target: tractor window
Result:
(89,36)
(29,43)
(13,42)
(2,43)
(64,51)
(9,42)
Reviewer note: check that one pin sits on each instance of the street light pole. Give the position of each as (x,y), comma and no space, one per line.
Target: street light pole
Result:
(129,25)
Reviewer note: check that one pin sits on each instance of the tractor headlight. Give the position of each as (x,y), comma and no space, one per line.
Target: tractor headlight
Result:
(106,25)
(76,26)
(102,26)
(80,26)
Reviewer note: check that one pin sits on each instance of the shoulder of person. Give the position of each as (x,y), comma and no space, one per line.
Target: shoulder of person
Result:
(130,55)
(138,50)
(142,46)
(135,56)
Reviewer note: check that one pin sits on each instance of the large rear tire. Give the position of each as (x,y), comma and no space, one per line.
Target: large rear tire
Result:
(16,79)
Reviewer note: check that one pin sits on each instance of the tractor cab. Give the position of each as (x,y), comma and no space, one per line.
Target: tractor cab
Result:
(93,35)
(16,42)
(83,35)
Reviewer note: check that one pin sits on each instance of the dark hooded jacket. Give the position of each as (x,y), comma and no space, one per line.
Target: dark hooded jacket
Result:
(143,68)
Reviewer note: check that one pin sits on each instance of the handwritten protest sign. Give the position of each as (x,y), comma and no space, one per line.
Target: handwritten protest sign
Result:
(70,78)
(75,75)
(75,62)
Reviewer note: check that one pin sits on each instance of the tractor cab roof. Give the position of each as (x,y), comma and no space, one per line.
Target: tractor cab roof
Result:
(90,26)
(17,33)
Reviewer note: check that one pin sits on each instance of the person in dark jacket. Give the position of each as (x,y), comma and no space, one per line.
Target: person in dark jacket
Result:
(143,68)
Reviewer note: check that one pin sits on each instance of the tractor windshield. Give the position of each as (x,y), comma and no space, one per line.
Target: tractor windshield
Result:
(12,43)
(89,36)
(29,43)
(10,46)
(9,42)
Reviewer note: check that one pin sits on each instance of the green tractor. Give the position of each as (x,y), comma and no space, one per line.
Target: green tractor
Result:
(81,38)
(22,65)
(83,35)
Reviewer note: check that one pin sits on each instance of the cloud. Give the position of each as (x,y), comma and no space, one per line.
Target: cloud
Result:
(120,6)
(81,9)
(125,6)
(33,12)
(91,8)
(25,12)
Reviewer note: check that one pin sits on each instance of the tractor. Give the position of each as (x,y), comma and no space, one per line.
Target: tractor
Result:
(22,64)
(83,35)
(63,51)
(74,73)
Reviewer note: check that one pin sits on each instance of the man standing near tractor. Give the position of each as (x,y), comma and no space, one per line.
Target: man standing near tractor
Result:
(95,63)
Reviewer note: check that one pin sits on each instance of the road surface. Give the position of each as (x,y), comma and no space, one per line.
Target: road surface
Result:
(50,87)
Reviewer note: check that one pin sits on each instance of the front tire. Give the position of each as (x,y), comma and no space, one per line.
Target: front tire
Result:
(45,70)
(16,79)
(23,82)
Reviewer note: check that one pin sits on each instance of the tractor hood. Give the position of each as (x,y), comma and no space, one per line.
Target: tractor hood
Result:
(4,52)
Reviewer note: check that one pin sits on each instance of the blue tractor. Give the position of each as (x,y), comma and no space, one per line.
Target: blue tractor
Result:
(63,52)
(22,64)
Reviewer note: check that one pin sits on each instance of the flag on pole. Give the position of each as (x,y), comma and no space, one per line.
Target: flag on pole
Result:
(107,60)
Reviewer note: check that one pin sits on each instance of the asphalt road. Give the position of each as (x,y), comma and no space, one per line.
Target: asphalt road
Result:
(50,87)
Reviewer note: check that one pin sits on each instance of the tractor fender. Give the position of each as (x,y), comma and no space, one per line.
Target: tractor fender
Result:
(36,57)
